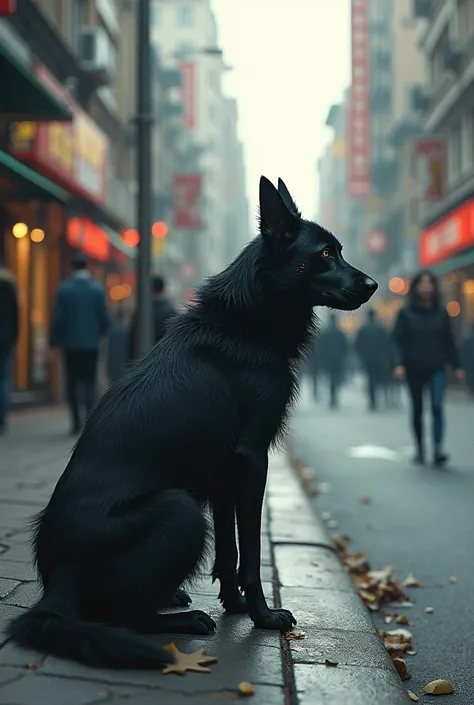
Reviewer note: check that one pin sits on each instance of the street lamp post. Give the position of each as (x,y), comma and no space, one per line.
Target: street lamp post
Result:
(144,122)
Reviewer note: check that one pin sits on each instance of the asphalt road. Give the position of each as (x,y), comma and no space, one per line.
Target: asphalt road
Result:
(420,520)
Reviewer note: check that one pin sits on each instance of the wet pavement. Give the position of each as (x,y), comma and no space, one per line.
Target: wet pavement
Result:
(419,520)
(300,570)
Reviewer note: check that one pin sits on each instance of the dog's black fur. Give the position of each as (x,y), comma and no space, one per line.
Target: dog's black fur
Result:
(191,424)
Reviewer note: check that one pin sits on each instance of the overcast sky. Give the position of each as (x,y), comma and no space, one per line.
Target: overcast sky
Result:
(291,61)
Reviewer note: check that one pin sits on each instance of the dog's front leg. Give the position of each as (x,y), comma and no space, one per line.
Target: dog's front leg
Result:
(225,566)
(252,478)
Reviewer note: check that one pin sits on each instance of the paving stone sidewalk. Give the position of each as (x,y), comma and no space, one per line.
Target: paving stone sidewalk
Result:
(300,570)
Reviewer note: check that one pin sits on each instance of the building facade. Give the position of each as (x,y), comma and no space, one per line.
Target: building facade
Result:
(67,160)
(447,238)
(184,35)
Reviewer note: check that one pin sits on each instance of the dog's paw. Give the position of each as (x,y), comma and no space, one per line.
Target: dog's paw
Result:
(277,619)
(179,599)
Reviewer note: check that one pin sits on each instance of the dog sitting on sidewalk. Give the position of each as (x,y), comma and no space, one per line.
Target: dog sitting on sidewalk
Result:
(190,426)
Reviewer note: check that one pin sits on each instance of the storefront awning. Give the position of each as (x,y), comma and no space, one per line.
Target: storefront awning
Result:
(22,93)
(464,259)
(31,184)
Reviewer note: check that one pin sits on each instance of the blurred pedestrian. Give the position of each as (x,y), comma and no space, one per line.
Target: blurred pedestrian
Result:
(163,310)
(374,348)
(117,348)
(333,347)
(425,347)
(8,338)
(80,321)
(468,359)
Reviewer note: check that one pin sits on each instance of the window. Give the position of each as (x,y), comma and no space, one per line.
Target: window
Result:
(184,16)
(155,15)
(184,51)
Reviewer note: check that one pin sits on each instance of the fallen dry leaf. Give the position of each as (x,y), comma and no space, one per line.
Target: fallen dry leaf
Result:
(33,665)
(412,653)
(402,619)
(388,619)
(295,635)
(438,687)
(413,696)
(356,562)
(341,541)
(453,579)
(397,641)
(197,661)
(328,662)
(401,666)
(245,688)
(429,610)
(411,581)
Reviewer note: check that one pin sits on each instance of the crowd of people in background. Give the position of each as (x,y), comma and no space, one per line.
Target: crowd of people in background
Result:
(418,351)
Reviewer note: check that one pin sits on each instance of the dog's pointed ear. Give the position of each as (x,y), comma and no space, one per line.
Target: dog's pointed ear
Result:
(276,221)
(287,198)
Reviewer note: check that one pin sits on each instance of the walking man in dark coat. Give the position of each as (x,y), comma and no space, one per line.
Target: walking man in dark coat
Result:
(333,349)
(80,321)
(374,348)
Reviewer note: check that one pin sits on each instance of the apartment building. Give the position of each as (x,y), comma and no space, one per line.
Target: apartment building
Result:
(185,36)
(67,159)
(447,239)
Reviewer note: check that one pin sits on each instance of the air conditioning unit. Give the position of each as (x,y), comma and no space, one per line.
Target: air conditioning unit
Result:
(97,55)
(452,56)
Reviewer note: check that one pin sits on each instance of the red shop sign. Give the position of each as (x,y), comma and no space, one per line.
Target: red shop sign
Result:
(447,237)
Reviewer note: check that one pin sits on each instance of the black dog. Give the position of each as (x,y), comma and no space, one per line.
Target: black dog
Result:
(191,424)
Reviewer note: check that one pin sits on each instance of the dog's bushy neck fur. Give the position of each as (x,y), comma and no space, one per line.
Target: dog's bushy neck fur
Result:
(245,295)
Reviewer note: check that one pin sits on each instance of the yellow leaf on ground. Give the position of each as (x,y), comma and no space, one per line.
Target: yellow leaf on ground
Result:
(329,662)
(245,688)
(411,581)
(413,697)
(438,687)
(197,661)
(429,610)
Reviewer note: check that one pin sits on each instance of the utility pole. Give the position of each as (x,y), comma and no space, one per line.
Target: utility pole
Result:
(144,121)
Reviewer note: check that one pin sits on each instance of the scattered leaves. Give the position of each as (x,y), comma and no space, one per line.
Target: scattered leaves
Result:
(401,619)
(198,661)
(429,610)
(453,579)
(413,696)
(388,619)
(366,499)
(295,635)
(329,662)
(341,541)
(245,688)
(438,687)
(411,581)
(401,666)
(397,641)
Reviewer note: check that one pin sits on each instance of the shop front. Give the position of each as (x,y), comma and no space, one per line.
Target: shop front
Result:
(447,249)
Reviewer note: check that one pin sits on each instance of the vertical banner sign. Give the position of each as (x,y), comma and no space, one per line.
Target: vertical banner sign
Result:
(7,7)
(430,155)
(188,87)
(186,196)
(359,133)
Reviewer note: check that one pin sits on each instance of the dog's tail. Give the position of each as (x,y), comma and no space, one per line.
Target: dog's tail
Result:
(52,628)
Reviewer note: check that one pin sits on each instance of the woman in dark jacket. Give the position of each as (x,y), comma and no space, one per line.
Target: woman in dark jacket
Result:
(424,346)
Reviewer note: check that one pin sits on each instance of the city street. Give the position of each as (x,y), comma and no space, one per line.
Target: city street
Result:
(419,520)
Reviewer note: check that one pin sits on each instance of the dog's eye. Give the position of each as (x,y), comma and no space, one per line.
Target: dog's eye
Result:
(326,253)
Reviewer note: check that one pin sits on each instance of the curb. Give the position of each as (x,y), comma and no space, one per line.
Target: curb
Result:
(312,582)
